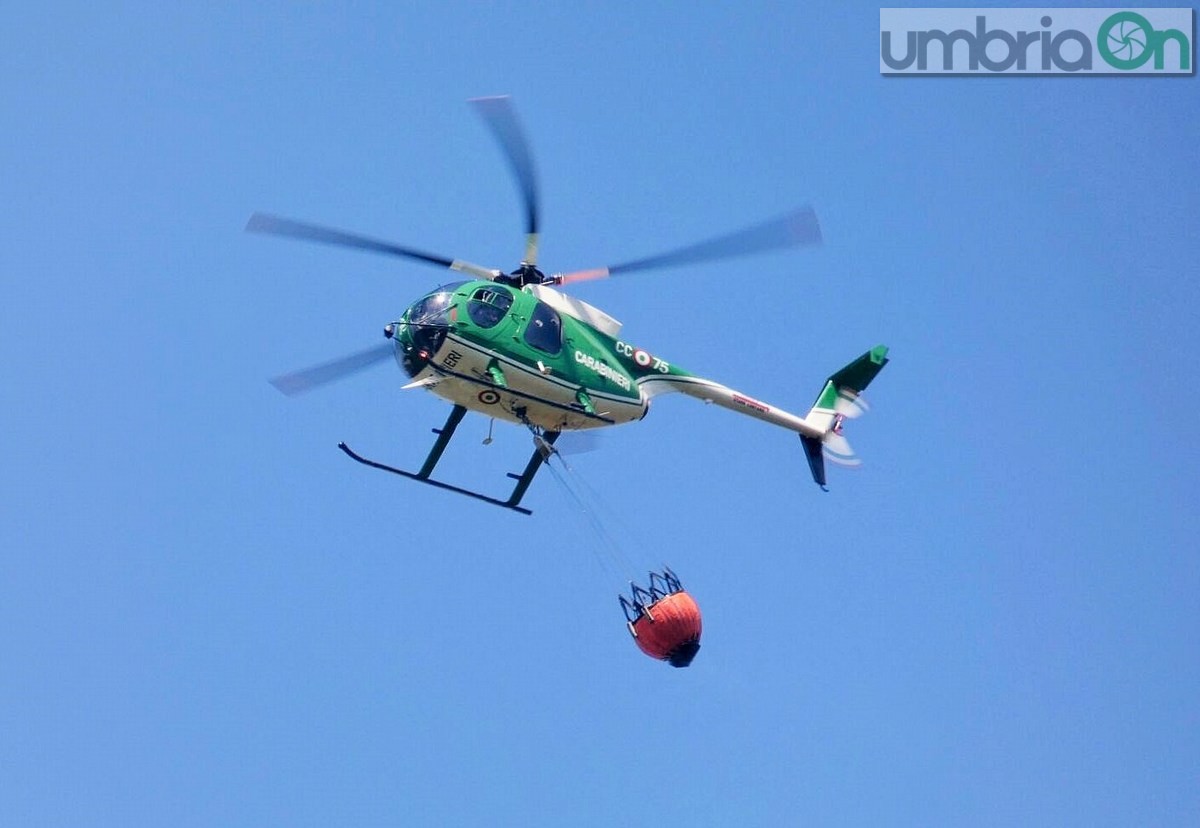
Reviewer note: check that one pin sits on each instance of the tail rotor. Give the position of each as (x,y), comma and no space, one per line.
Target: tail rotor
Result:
(840,400)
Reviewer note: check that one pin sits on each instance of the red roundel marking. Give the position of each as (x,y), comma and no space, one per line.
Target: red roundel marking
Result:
(641,357)
(488,397)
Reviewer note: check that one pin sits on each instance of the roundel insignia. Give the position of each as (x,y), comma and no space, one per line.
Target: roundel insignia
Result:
(488,397)
(641,357)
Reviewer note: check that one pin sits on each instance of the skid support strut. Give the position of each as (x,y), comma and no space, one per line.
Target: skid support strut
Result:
(540,455)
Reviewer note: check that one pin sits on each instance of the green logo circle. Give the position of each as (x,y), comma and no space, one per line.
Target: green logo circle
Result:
(1125,40)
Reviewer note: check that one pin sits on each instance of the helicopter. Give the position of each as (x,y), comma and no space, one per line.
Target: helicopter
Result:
(514,347)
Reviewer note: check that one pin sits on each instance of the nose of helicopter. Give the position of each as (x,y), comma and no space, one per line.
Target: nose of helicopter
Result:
(392,331)
(421,330)
(411,344)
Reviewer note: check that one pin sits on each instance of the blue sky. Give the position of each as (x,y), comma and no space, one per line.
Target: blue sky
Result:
(209,616)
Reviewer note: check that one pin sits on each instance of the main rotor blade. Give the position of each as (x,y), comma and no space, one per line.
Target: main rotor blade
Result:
(500,115)
(298,382)
(278,226)
(793,229)
(577,442)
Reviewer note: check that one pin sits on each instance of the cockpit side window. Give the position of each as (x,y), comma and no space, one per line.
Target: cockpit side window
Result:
(544,330)
(488,306)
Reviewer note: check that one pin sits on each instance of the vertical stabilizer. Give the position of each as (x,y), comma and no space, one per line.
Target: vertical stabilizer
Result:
(840,400)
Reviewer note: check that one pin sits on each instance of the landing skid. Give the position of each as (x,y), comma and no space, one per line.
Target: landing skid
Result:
(544,448)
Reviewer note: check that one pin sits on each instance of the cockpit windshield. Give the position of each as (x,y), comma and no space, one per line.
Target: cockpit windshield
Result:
(425,325)
(432,309)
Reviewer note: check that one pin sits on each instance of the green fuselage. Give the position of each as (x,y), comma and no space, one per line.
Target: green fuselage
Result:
(535,356)
(507,353)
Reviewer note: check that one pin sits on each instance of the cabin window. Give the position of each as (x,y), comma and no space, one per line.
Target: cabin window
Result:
(488,306)
(544,330)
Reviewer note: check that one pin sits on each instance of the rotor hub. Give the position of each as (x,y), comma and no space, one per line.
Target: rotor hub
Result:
(525,274)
